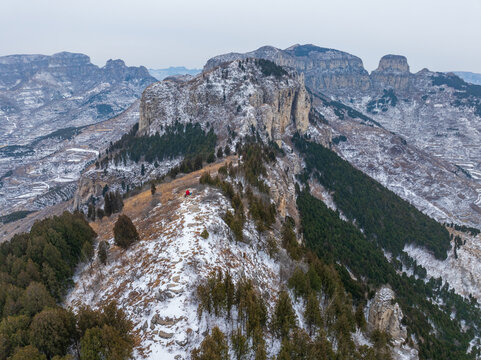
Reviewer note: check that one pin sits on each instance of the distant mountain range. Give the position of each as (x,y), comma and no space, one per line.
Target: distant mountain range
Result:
(47,104)
(470,77)
(161,74)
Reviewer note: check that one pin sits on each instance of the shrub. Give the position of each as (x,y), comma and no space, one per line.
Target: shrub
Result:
(125,233)
(103,251)
(211,158)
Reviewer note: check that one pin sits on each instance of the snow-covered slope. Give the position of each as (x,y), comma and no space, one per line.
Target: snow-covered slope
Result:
(155,280)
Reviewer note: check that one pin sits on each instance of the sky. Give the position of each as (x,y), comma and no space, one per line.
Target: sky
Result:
(442,35)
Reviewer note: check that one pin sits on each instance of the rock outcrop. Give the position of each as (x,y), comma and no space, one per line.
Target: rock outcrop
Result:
(326,70)
(330,71)
(385,315)
(392,73)
(237,96)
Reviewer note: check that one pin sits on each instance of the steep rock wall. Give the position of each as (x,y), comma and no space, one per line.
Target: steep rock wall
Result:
(234,97)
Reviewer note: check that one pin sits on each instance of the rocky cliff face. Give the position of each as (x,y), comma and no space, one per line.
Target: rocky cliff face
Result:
(325,70)
(436,112)
(233,97)
(330,71)
(392,73)
(385,315)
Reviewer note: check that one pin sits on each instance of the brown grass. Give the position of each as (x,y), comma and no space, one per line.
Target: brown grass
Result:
(142,210)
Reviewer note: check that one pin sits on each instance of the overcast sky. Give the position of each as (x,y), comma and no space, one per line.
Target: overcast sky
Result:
(441,35)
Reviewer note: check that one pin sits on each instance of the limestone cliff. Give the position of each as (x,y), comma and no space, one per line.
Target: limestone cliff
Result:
(385,315)
(392,73)
(326,70)
(234,97)
(330,71)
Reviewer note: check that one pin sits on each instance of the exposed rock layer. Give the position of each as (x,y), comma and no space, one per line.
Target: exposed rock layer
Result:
(235,97)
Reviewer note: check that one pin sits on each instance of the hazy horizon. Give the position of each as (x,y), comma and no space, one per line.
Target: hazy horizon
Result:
(158,34)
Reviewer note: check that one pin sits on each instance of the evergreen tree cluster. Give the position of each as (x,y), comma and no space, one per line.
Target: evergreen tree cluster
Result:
(289,239)
(36,270)
(465,229)
(333,299)
(218,295)
(113,203)
(254,156)
(186,140)
(269,68)
(235,220)
(384,217)
(336,241)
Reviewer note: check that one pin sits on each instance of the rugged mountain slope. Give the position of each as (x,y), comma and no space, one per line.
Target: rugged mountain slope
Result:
(156,280)
(261,104)
(433,185)
(234,96)
(305,247)
(438,113)
(47,185)
(46,102)
(41,94)
(232,101)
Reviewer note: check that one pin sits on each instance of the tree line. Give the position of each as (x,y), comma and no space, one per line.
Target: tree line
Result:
(36,270)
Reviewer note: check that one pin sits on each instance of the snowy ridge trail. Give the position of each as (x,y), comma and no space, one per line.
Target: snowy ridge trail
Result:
(155,280)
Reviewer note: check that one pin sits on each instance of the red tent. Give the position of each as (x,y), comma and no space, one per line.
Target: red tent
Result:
(187,193)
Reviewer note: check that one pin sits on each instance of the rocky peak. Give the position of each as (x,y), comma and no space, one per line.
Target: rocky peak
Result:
(386,315)
(392,73)
(63,58)
(233,97)
(326,70)
(112,64)
(393,63)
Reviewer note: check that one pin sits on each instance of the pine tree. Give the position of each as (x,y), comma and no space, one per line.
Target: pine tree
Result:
(240,345)
(229,293)
(152,188)
(28,352)
(284,318)
(198,162)
(108,204)
(52,331)
(213,347)
(359,316)
(91,212)
(299,283)
(210,158)
(100,213)
(312,313)
(35,298)
(87,252)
